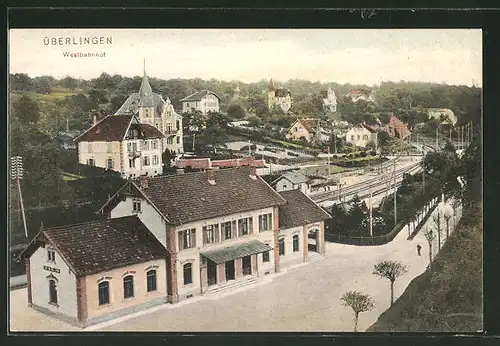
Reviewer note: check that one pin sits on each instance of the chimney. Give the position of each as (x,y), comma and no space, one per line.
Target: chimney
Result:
(253,172)
(211,176)
(143,182)
(95,120)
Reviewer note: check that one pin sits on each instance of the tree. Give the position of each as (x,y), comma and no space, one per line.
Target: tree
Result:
(42,85)
(357,213)
(21,82)
(69,83)
(390,270)
(358,302)
(26,110)
(166,158)
(429,236)
(447,218)
(236,111)
(437,222)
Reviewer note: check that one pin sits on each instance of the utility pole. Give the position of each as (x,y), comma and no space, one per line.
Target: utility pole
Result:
(249,148)
(335,142)
(437,138)
(395,189)
(328,157)
(16,172)
(371,217)
(423,172)
(194,138)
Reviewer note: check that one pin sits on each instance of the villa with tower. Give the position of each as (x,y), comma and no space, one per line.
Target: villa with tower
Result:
(132,140)
(278,97)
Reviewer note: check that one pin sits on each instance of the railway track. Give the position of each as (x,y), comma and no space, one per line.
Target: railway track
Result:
(381,181)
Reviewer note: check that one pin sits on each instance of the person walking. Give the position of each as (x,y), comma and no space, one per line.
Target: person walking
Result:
(418,249)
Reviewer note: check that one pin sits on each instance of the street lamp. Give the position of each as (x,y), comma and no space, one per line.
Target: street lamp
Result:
(16,173)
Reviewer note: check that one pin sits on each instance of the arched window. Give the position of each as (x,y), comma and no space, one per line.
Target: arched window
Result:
(52,292)
(151,280)
(188,273)
(281,246)
(103,292)
(128,286)
(296,243)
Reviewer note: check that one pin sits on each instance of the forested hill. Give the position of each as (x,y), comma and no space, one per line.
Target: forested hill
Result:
(77,100)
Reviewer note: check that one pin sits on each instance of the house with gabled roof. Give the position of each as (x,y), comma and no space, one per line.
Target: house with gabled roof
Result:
(396,128)
(219,227)
(204,101)
(361,134)
(91,272)
(361,94)
(123,144)
(292,180)
(308,129)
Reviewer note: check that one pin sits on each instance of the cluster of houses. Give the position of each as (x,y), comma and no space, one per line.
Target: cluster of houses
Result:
(313,130)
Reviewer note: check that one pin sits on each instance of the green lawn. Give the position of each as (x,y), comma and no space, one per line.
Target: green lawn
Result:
(70,176)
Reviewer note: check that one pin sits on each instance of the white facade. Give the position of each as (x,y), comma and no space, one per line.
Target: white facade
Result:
(206,104)
(192,255)
(155,223)
(359,136)
(169,123)
(130,157)
(330,102)
(148,216)
(285,103)
(42,270)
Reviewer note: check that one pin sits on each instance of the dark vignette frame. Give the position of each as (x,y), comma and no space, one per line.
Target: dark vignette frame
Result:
(120,17)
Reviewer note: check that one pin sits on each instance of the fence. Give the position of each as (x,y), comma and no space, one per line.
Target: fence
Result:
(377,240)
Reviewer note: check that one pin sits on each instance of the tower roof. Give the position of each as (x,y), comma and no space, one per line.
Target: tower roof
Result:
(272,86)
(145,90)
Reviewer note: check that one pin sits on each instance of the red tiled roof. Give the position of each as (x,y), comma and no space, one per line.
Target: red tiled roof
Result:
(101,245)
(114,128)
(111,128)
(189,197)
(206,163)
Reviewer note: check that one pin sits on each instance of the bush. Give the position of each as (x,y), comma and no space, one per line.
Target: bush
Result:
(362,154)
(373,153)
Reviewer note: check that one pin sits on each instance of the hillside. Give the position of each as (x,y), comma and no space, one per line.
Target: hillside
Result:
(450,298)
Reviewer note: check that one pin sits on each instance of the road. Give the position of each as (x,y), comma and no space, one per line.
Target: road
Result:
(303,299)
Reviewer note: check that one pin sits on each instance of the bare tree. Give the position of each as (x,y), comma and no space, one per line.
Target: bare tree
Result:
(358,302)
(390,270)
(437,221)
(430,236)
(447,218)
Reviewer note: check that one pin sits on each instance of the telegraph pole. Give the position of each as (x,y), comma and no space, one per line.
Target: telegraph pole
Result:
(16,172)
(395,189)
(371,217)
(423,172)
(328,157)
(335,142)
(437,137)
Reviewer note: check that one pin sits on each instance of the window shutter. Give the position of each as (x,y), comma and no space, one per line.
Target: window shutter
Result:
(193,237)
(270,222)
(216,231)
(204,231)
(250,225)
(181,241)
(233,229)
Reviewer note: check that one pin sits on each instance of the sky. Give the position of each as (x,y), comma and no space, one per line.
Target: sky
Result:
(355,56)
